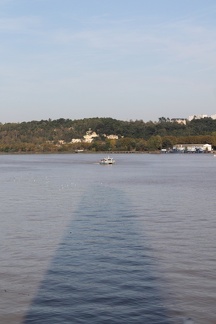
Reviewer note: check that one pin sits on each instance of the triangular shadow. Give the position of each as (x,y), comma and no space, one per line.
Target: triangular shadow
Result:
(103,271)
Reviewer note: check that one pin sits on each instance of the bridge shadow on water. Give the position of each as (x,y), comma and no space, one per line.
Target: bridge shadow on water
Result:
(103,271)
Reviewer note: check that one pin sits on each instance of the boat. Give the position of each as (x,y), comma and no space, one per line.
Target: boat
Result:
(107,160)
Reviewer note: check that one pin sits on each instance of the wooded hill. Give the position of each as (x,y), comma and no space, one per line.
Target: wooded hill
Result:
(56,135)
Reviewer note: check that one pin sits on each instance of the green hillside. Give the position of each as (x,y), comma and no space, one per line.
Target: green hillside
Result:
(56,135)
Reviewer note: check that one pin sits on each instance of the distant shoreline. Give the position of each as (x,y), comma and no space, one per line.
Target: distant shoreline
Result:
(84,152)
(101,152)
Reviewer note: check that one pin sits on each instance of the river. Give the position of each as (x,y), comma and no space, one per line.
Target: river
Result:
(132,242)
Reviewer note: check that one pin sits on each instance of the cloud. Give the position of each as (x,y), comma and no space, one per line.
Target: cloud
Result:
(179,40)
(19,24)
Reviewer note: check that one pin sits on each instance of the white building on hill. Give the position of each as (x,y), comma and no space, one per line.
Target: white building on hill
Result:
(197,117)
(88,138)
(192,148)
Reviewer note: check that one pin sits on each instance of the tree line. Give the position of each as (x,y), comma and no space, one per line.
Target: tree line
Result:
(56,135)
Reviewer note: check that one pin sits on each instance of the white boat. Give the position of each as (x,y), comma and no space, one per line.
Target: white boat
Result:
(107,160)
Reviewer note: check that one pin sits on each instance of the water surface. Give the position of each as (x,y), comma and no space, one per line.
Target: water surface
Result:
(127,243)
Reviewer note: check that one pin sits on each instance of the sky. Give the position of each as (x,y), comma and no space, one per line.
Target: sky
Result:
(124,59)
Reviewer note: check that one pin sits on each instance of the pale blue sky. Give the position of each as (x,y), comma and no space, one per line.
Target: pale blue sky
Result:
(125,59)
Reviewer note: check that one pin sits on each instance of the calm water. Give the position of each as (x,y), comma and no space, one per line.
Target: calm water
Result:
(87,243)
